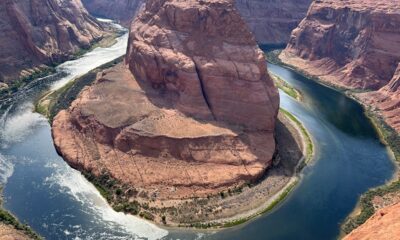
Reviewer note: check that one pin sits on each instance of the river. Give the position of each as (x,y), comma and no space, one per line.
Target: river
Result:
(57,202)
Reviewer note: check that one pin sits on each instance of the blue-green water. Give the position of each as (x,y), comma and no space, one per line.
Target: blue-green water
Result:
(44,192)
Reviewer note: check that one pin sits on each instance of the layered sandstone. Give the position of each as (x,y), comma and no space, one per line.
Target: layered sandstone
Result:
(351,44)
(386,101)
(354,45)
(42,32)
(122,10)
(272,21)
(383,225)
(190,114)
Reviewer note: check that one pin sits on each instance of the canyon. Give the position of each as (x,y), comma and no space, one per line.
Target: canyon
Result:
(121,10)
(37,34)
(171,122)
(270,21)
(352,45)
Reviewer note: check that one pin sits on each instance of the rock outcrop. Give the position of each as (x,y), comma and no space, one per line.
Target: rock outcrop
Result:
(191,112)
(386,101)
(354,45)
(42,32)
(122,10)
(272,21)
(351,44)
(383,225)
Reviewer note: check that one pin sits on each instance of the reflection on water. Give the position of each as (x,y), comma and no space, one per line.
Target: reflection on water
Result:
(43,191)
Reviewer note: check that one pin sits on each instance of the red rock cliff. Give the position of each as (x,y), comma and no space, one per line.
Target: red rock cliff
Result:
(192,113)
(272,21)
(352,44)
(36,32)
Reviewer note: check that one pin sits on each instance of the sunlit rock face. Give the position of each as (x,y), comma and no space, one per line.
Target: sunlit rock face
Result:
(121,10)
(191,112)
(37,32)
(353,44)
(272,21)
(383,225)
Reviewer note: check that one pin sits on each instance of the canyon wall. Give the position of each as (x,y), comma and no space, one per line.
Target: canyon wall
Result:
(36,33)
(122,10)
(190,113)
(353,45)
(272,21)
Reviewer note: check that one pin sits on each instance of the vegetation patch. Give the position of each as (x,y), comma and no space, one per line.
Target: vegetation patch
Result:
(23,81)
(285,87)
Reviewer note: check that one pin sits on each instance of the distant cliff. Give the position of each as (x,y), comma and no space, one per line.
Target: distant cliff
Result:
(352,44)
(35,33)
(272,21)
(122,10)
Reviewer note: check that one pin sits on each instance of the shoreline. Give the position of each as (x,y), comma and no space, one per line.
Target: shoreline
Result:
(362,210)
(269,203)
(12,226)
(47,70)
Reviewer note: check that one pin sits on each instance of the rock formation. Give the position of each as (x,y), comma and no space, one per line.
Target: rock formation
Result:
(386,101)
(190,113)
(383,225)
(122,10)
(272,21)
(38,32)
(352,44)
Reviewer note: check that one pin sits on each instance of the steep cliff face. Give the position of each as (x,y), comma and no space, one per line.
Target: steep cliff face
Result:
(386,100)
(383,225)
(352,43)
(190,114)
(206,56)
(37,32)
(272,21)
(122,10)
